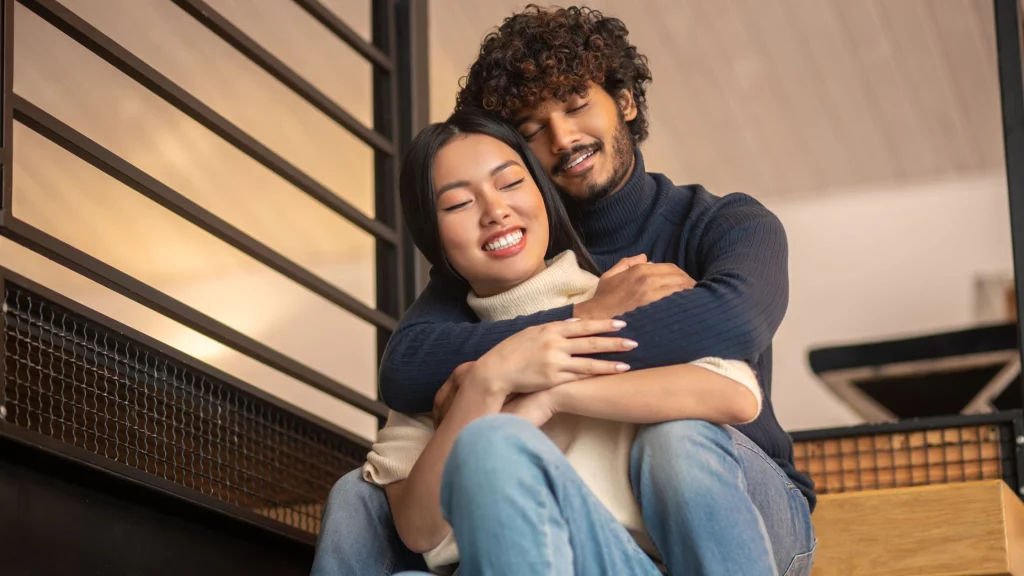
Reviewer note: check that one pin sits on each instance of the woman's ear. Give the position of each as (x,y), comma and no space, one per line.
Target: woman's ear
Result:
(626,104)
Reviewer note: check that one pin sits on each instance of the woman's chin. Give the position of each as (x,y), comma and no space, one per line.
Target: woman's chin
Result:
(507,280)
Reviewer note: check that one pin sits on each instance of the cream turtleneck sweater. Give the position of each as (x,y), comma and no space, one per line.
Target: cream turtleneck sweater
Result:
(597,449)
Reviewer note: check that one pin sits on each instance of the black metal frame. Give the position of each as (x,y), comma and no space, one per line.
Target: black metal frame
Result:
(1011,91)
(398,56)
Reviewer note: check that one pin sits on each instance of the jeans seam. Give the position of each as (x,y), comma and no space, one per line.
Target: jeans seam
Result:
(764,457)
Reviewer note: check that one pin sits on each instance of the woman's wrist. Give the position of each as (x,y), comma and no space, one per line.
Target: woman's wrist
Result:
(560,397)
(483,380)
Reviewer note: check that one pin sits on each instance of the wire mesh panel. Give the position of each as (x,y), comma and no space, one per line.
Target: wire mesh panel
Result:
(892,459)
(71,379)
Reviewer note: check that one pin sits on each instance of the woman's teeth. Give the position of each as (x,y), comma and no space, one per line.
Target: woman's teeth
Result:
(505,241)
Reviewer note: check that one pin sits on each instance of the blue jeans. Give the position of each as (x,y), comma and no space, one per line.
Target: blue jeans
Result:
(358,535)
(712,501)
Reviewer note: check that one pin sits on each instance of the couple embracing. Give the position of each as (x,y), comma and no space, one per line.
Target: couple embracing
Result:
(584,385)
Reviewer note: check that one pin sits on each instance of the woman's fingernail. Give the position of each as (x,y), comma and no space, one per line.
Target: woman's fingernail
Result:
(622,367)
(618,324)
(629,344)
(572,320)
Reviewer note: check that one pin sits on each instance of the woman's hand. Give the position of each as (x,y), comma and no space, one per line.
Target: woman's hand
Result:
(537,408)
(544,356)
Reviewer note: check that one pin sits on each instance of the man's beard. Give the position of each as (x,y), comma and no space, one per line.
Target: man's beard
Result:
(622,161)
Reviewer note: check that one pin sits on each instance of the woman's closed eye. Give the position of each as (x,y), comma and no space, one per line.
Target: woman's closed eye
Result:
(513,184)
(455,207)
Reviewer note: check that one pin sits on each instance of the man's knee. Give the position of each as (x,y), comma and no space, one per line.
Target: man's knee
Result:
(681,436)
(684,451)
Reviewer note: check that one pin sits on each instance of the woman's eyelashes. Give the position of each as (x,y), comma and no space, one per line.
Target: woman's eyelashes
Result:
(464,203)
(455,207)
(513,184)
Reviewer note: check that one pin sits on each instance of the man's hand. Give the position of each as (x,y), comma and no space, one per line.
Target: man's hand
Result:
(446,394)
(630,284)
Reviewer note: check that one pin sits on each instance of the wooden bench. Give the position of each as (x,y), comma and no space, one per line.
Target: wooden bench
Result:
(965,529)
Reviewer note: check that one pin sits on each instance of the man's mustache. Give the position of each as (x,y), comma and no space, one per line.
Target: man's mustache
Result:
(563,160)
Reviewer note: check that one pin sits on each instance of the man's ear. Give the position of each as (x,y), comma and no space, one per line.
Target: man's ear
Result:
(626,104)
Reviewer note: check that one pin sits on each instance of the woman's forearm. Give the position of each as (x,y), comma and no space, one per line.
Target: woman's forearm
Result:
(654,395)
(416,501)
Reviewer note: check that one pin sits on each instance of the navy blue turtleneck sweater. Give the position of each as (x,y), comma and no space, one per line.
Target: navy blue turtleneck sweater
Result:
(732,245)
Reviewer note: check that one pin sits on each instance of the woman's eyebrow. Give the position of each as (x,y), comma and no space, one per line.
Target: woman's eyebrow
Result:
(504,165)
(463,183)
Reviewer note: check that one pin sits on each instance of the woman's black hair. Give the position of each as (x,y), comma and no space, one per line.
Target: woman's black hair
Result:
(419,203)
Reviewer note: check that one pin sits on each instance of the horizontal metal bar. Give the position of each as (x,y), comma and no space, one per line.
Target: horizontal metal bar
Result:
(80,145)
(132,66)
(346,34)
(60,449)
(15,279)
(912,425)
(122,283)
(231,34)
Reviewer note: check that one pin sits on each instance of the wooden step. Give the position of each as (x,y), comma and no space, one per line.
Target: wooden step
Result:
(964,529)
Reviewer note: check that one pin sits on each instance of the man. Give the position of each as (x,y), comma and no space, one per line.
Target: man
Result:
(715,500)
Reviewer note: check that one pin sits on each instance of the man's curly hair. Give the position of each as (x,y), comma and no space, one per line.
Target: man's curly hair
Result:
(542,54)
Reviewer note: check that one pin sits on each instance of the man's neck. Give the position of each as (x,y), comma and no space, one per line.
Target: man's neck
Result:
(618,220)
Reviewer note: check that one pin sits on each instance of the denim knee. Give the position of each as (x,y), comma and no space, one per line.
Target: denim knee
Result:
(682,451)
(350,493)
(492,439)
(485,451)
(352,488)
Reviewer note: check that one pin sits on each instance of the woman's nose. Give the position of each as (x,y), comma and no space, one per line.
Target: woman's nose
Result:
(496,209)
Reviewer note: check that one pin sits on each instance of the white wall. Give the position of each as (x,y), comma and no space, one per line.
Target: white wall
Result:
(881,262)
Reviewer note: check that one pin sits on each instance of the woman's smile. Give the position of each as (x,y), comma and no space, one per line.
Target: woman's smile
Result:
(506,244)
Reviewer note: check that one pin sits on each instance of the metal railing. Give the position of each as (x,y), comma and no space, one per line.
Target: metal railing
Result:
(395,58)
(942,450)
(86,386)
(81,384)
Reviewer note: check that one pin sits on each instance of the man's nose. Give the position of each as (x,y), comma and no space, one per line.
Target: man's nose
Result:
(564,135)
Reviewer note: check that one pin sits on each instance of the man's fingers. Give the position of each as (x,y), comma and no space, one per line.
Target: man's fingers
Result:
(591,367)
(664,291)
(658,270)
(598,345)
(588,327)
(624,264)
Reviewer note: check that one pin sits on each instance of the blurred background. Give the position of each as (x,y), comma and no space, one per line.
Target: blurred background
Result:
(871,128)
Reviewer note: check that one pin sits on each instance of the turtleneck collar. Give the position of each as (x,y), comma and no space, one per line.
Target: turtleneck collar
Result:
(562,282)
(618,220)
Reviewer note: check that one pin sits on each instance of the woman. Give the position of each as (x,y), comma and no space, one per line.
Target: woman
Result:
(480,208)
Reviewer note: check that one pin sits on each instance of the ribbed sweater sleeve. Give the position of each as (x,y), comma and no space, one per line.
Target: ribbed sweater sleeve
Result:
(741,259)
